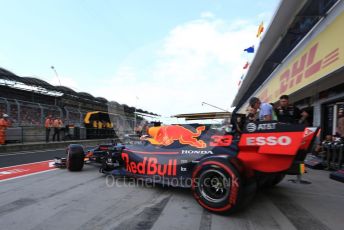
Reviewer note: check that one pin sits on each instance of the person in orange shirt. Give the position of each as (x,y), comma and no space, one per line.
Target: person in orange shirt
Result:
(4,123)
(48,125)
(57,124)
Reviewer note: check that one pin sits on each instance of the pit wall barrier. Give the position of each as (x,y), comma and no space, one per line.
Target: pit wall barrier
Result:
(38,134)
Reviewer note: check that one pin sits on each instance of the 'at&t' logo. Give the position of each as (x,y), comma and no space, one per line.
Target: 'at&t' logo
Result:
(251,127)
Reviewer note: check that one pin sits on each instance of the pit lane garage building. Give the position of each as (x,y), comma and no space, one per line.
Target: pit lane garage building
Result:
(301,55)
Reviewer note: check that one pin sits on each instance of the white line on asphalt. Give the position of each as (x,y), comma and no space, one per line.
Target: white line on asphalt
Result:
(28,175)
(29,152)
(51,164)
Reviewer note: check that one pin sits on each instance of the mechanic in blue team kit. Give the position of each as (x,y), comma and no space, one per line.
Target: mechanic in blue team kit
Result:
(265,109)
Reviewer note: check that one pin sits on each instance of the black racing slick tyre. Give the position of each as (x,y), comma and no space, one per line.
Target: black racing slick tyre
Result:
(75,158)
(277,179)
(272,180)
(217,186)
(106,165)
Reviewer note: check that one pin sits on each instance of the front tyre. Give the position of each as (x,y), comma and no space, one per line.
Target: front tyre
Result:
(108,164)
(75,158)
(217,186)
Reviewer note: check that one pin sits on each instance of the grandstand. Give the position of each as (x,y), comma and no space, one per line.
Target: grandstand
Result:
(30,100)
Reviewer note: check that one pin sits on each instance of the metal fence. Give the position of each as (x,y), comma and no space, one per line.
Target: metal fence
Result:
(23,113)
(29,134)
(28,122)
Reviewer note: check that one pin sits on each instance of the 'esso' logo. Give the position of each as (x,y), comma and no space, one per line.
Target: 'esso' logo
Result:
(251,127)
(282,140)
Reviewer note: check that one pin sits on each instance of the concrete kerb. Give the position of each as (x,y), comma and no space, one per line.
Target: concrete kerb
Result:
(51,145)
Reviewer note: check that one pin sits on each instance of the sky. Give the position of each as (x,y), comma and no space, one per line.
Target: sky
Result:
(166,57)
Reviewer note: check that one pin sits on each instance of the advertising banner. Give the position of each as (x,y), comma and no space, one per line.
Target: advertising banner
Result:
(323,55)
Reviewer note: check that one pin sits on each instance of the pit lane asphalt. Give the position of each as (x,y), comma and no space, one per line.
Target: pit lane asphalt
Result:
(24,157)
(60,199)
(16,158)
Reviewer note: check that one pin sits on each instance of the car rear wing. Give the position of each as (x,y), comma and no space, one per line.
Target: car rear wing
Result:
(274,147)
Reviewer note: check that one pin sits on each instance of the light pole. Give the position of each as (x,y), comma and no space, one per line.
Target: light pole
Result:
(137,98)
(53,68)
(214,106)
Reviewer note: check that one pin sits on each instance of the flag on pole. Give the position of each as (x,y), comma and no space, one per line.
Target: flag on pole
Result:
(246,65)
(260,29)
(249,49)
(240,81)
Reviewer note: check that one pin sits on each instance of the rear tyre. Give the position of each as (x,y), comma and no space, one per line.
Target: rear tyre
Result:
(277,179)
(75,158)
(217,186)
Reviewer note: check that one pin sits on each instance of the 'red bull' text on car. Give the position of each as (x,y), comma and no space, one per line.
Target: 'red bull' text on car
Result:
(222,169)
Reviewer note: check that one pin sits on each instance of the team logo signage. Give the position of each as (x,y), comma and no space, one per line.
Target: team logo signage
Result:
(270,140)
(150,166)
(201,152)
(252,127)
(321,56)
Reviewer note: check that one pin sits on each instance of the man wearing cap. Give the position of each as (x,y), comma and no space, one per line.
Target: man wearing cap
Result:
(265,109)
(4,123)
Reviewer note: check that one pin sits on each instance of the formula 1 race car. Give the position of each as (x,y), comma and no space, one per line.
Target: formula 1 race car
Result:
(103,155)
(223,169)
